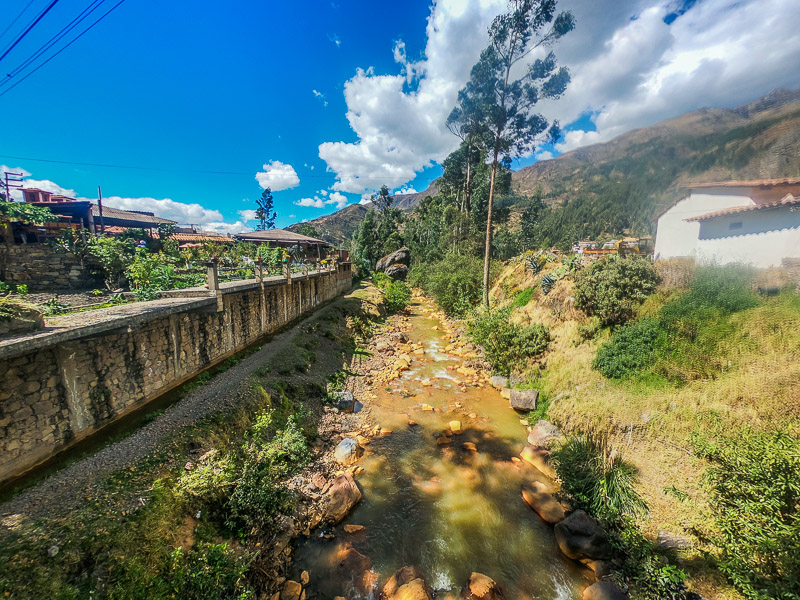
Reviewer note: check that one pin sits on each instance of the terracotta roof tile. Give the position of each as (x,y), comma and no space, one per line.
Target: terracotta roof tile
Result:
(787,200)
(746,183)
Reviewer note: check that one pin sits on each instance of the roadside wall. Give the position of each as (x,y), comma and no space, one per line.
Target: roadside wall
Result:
(55,393)
(46,269)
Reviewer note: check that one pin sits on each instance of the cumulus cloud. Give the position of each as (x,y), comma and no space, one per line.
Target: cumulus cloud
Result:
(247,215)
(407,189)
(631,67)
(42,184)
(277,176)
(226,228)
(337,199)
(166,208)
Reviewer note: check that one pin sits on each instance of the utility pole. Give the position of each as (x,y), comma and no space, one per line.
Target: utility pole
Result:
(100,207)
(12,180)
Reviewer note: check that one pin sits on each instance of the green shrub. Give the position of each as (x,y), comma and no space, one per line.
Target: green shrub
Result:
(612,288)
(755,485)
(523,298)
(208,571)
(381,280)
(455,283)
(396,296)
(507,345)
(629,351)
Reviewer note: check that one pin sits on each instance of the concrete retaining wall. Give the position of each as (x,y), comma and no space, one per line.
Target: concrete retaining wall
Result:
(63,383)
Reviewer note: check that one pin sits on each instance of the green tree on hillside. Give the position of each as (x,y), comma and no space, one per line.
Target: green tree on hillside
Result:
(265,213)
(309,230)
(505,105)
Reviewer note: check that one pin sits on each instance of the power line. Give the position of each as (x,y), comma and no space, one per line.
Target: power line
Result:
(75,39)
(27,31)
(17,18)
(54,40)
(201,171)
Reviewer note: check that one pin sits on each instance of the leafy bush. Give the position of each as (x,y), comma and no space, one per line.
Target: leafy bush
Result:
(381,280)
(114,256)
(611,289)
(755,485)
(523,298)
(455,283)
(208,571)
(629,351)
(506,344)
(396,296)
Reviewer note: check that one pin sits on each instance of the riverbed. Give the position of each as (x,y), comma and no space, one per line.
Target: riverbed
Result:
(444,501)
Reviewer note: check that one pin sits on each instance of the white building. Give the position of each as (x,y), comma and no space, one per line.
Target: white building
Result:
(752,222)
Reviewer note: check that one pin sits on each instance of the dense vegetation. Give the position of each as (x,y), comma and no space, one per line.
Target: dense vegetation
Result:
(507,345)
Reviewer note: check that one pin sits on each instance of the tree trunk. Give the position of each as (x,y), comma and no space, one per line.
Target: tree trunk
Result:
(488,250)
(466,187)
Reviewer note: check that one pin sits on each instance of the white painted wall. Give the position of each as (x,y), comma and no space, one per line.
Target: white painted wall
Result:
(675,237)
(765,238)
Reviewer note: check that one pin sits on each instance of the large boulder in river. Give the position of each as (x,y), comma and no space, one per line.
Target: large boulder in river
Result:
(406,584)
(347,451)
(342,496)
(579,536)
(604,590)
(524,400)
(398,257)
(544,434)
(482,587)
(539,497)
(397,272)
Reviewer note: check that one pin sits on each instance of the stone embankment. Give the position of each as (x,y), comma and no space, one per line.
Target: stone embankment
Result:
(84,371)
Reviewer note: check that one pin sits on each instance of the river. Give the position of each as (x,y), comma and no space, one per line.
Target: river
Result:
(446,508)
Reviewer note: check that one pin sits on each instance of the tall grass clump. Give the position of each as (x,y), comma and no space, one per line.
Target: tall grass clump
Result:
(507,346)
(754,479)
(612,288)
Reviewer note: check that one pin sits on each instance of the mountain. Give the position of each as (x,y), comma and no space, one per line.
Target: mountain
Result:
(619,186)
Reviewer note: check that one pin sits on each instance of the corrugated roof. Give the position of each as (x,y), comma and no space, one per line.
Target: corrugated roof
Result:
(279,235)
(787,200)
(129,215)
(750,183)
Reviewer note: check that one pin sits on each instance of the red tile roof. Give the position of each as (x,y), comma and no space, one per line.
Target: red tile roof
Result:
(787,200)
(751,183)
(278,236)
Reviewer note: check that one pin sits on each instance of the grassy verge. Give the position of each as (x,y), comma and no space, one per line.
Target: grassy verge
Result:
(198,518)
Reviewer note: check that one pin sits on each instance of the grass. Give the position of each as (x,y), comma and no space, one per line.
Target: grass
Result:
(651,419)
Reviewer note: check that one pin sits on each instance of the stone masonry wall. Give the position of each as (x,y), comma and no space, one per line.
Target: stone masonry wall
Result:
(44,268)
(56,395)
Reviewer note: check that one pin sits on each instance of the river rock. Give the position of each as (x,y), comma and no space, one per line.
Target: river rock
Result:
(347,451)
(481,587)
(291,590)
(397,272)
(398,257)
(544,434)
(499,381)
(671,541)
(350,528)
(579,536)
(344,401)
(524,400)
(342,496)
(604,590)
(455,426)
(539,458)
(406,584)
(538,496)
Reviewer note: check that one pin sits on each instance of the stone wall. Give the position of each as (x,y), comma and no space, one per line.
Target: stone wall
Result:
(60,386)
(44,268)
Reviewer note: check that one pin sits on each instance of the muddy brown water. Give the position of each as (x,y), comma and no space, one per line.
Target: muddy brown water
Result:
(446,510)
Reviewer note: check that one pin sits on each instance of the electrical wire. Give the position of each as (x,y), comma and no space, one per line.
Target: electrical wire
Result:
(75,39)
(17,18)
(54,40)
(28,30)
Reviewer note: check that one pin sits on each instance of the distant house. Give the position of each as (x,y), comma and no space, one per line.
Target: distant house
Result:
(310,247)
(752,222)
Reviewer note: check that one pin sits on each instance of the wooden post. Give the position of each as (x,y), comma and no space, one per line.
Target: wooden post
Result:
(100,209)
(259,270)
(212,275)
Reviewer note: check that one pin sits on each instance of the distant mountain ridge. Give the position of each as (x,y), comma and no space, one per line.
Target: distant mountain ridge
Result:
(620,185)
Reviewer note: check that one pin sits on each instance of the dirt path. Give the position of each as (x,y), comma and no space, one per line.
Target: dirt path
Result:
(66,489)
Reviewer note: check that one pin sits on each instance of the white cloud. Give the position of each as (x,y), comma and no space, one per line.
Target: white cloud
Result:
(42,184)
(292,216)
(166,208)
(335,39)
(277,176)
(544,155)
(399,119)
(321,97)
(337,198)
(406,190)
(629,68)
(247,215)
(315,202)
(226,228)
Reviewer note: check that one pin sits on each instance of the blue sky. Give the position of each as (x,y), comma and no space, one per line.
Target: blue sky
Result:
(349,95)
